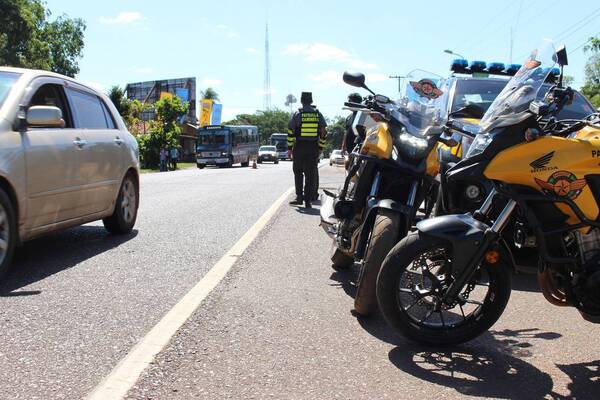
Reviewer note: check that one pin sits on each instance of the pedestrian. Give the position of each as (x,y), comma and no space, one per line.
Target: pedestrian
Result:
(306,139)
(350,140)
(163,159)
(174,157)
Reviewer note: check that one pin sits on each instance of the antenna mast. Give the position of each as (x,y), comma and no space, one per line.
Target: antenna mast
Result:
(267,88)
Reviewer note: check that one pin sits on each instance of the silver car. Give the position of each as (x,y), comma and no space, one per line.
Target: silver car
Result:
(66,158)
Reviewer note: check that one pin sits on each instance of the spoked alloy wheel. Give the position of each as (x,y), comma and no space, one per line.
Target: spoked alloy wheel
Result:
(414,280)
(5,236)
(128,201)
(125,214)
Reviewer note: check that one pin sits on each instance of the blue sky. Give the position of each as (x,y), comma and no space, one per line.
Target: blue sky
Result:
(221,42)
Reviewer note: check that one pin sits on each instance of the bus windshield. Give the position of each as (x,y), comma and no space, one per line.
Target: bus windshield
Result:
(213,137)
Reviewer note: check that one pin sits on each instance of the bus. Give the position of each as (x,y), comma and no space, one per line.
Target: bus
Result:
(225,145)
(279,140)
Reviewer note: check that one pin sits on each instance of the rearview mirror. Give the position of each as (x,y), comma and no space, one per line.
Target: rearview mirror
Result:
(356,79)
(45,117)
(561,56)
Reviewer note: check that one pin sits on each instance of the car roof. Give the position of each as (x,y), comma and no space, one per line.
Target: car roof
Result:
(34,73)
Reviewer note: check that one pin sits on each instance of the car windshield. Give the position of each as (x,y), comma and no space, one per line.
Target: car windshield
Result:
(336,153)
(521,90)
(478,92)
(7,81)
(267,148)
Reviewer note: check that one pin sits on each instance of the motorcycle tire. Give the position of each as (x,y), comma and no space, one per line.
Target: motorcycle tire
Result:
(386,232)
(341,261)
(389,296)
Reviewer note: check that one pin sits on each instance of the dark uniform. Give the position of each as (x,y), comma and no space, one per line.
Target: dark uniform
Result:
(306,140)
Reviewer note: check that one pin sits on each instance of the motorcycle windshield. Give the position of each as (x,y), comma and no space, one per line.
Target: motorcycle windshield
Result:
(512,104)
(424,102)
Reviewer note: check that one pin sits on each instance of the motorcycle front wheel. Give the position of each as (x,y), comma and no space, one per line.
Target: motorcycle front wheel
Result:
(385,235)
(412,283)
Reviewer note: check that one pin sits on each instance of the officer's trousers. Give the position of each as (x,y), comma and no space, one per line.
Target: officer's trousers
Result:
(306,156)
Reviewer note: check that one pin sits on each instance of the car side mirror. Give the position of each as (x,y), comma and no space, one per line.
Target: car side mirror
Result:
(45,117)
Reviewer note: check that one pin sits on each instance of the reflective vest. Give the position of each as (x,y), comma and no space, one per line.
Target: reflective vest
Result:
(309,125)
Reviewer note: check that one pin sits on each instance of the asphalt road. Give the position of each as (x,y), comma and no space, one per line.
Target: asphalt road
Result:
(278,326)
(76,302)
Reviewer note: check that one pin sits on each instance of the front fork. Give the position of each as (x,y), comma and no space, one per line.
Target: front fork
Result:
(489,237)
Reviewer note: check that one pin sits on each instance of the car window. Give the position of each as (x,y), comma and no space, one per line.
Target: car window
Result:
(110,122)
(480,92)
(7,80)
(87,110)
(53,95)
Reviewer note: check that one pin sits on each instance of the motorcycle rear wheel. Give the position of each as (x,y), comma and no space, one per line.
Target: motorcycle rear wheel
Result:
(413,311)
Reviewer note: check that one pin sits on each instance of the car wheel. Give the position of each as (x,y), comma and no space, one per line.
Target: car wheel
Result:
(123,218)
(201,166)
(8,232)
(277,162)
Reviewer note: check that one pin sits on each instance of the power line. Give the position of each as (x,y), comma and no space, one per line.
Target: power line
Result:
(577,25)
(586,42)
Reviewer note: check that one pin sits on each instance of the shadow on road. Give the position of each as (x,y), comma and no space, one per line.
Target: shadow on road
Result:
(48,255)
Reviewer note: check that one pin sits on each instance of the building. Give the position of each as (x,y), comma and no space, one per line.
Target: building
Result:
(185,88)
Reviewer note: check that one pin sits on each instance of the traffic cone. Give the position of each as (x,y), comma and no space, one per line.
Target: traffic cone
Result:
(254,163)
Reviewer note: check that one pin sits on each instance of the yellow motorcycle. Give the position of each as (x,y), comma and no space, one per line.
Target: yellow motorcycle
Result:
(450,281)
(392,173)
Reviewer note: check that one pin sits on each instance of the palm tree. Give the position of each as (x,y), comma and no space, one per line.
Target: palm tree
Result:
(209,94)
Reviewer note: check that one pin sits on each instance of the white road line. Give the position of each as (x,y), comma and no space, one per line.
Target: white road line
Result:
(128,370)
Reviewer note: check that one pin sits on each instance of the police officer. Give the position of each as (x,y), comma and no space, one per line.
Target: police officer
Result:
(306,139)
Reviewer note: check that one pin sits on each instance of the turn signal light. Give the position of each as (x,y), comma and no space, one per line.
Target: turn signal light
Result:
(492,257)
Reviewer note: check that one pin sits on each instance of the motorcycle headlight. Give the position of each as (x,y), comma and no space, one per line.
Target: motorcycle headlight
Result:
(481,142)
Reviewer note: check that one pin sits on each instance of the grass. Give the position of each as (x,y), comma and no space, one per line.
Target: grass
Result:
(182,165)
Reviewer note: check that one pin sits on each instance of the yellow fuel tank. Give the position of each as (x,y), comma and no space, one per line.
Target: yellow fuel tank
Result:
(378,142)
(553,165)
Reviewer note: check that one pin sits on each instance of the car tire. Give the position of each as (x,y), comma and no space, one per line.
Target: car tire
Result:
(201,166)
(124,216)
(260,161)
(8,232)
(277,162)
(246,163)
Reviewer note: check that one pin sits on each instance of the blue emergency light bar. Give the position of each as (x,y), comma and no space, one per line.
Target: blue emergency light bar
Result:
(512,69)
(462,66)
(478,66)
(495,67)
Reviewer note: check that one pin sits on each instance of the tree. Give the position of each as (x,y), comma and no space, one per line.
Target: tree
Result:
(268,122)
(336,130)
(209,94)
(29,40)
(164,131)
(591,87)
(122,104)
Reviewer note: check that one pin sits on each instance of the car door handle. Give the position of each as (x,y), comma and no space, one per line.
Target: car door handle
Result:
(79,142)
(119,141)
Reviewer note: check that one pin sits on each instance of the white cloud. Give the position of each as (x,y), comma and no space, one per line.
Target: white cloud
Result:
(222,29)
(211,82)
(251,50)
(123,18)
(317,52)
(322,52)
(327,78)
(376,77)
